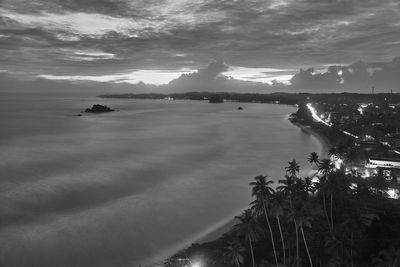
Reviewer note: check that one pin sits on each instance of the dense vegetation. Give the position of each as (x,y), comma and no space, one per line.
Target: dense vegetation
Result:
(282,98)
(329,219)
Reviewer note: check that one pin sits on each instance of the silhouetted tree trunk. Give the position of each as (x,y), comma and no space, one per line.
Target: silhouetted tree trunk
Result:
(283,241)
(252,253)
(326,212)
(332,211)
(305,244)
(297,242)
(270,231)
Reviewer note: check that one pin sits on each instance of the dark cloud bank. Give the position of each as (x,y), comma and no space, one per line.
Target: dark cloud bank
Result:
(38,36)
(357,77)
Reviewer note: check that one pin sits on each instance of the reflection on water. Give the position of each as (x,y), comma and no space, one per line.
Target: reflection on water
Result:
(123,188)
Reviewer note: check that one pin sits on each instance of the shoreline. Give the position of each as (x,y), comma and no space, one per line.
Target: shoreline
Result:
(325,143)
(226,225)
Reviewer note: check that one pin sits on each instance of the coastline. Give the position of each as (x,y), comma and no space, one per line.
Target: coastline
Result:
(325,143)
(227,225)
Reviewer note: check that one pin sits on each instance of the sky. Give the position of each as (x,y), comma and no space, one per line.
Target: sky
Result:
(157,41)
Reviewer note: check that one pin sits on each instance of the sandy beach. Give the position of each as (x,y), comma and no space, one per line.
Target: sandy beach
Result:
(227,225)
(322,139)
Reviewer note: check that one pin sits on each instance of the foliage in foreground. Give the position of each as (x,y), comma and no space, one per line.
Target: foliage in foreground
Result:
(329,219)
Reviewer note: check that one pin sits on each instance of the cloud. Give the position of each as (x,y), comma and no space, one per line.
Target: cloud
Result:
(359,76)
(15,83)
(155,77)
(74,23)
(88,55)
(356,77)
(171,34)
(213,78)
(203,78)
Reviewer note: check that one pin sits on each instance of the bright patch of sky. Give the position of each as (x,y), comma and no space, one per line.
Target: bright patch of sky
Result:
(90,55)
(157,77)
(164,17)
(77,23)
(263,75)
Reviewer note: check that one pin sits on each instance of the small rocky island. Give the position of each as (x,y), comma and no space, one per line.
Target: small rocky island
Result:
(98,109)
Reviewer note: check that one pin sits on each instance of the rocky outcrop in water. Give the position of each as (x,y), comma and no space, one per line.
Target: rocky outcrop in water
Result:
(98,109)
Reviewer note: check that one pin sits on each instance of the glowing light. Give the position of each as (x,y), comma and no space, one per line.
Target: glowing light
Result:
(315,115)
(338,163)
(367,174)
(392,193)
(345,132)
(196,264)
(317,118)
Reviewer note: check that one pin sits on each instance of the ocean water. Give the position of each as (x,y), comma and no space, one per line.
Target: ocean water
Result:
(130,187)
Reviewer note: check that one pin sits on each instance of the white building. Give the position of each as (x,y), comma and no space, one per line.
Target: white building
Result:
(381,162)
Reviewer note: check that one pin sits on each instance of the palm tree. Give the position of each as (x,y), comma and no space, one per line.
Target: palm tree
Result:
(332,152)
(325,166)
(262,191)
(303,220)
(249,228)
(277,211)
(233,253)
(288,189)
(308,185)
(313,158)
(288,186)
(293,169)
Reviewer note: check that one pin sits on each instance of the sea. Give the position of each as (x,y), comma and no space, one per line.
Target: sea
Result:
(130,187)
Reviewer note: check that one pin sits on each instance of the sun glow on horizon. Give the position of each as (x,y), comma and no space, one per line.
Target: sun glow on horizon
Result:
(160,77)
(262,75)
(156,77)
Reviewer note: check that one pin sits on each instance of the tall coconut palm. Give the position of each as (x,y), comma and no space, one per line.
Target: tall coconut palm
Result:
(303,220)
(289,189)
(337,186)
(262,191)
(293,168)
(277,211)
(233,253)
(325,167)
(249,228)
(313,158)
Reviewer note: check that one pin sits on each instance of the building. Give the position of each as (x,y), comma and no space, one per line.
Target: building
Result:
(383,162)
